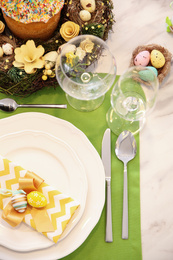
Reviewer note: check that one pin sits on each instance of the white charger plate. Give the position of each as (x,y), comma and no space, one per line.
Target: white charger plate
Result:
(60,167)
(91,160)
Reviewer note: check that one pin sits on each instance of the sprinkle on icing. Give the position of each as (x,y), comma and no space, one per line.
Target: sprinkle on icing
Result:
(27,11)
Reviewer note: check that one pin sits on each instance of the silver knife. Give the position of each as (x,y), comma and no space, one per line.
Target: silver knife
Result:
(106,158)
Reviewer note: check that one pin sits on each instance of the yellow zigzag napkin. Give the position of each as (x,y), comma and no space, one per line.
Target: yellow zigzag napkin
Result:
(60,207)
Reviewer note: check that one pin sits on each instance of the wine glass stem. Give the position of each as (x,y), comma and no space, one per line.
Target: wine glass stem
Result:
(125,206)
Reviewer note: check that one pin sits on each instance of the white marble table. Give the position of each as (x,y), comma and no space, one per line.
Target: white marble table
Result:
(142,22)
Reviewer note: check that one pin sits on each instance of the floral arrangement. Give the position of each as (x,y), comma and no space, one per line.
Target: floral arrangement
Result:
(27,66)
(76,59)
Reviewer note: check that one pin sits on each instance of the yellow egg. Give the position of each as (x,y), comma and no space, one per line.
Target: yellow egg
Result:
(36,199)
(157,59)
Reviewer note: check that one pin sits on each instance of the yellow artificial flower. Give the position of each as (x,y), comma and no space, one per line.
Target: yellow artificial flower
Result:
(80,53)
(1,52)
(70,56)
(87,45)
(69,30)
(2,27)
(29,57)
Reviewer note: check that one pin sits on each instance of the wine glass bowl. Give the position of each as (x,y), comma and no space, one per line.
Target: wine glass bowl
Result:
(132,99)
(85,70)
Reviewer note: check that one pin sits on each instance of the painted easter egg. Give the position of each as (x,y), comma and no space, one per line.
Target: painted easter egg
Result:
(157,59)
(85,15)
(88,5)
(147,75)
(142,58)
(36,199)
(7,48)
(153,69)
(19,201)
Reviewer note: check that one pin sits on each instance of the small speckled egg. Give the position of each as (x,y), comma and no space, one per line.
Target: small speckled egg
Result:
(157,59)
(146,75)
(88,5)
(142,58)
(19,201)
(153,69)
(84,15)
(7,48)
(36,199)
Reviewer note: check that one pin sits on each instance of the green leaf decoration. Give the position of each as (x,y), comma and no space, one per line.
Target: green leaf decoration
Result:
(168,21)
(96,29)
(168,29)
(16,74)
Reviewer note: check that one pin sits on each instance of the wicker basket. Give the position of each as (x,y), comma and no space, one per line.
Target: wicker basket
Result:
(162,72)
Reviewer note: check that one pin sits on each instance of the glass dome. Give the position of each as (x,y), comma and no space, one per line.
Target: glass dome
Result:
(85,70)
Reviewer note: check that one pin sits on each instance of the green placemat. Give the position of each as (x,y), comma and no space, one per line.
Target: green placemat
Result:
(93,124)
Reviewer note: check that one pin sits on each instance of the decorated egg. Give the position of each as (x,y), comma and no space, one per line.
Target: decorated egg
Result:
(147,75)
(88,5)
(19,201)
(36,199)
(142,58)
(7,48)
(153,69)
(157,59)
(85,15)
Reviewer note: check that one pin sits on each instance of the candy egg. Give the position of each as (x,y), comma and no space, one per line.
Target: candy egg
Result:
(157,59)
(142,58)
(36,199)
(19,201)
(85,15)
(88,5)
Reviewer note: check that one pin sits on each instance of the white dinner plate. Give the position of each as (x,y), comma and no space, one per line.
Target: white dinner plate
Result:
(95,174)
(56,162)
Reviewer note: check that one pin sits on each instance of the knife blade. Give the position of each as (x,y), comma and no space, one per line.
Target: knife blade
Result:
(106,158)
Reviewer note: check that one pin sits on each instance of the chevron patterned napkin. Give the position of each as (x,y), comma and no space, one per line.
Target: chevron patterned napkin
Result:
(59,208)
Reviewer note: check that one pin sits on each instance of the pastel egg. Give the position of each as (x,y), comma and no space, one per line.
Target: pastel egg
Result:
(7,48)
(146,75)
(157,59)
(85,15)
(36,199)
(153,69)
(142,58)
(19,201)
(88,5)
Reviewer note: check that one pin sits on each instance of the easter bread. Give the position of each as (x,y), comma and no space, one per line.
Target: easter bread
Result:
(32,19)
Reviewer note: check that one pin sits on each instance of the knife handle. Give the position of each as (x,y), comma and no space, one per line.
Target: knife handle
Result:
(109,237)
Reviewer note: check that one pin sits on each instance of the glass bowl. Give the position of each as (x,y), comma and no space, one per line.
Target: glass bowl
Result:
(85,70)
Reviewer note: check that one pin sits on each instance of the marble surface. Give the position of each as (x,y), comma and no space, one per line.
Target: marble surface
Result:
(140,22)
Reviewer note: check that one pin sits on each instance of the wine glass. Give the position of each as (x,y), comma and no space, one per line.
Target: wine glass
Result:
(85,70)
(132,99)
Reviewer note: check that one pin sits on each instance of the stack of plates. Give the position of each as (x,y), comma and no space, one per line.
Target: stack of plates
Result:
(63,156)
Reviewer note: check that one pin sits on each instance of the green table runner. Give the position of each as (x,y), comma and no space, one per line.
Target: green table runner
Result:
(93,124)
